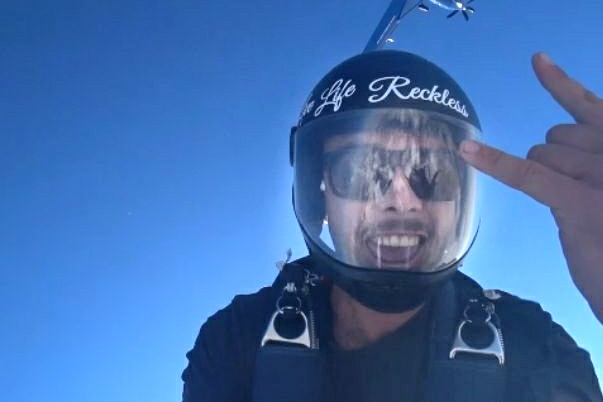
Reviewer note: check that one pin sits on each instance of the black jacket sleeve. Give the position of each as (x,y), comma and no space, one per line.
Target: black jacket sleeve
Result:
(573,370)
(544,360)
(221,362)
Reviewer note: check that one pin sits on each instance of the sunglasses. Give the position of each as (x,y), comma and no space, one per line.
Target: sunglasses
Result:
(366,172)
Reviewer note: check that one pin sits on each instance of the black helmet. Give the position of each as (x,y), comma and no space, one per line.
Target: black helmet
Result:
(384,201)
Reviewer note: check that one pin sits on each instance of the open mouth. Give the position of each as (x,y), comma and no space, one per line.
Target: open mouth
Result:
(397,250)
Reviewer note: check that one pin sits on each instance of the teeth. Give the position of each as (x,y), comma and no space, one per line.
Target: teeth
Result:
(398,241)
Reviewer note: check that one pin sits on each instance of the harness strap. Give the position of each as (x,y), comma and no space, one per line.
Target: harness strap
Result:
(289,373)
(289,365)
(295,373)
(464,378)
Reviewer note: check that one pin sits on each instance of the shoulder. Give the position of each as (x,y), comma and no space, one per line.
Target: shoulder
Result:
(546,347)
(243,317)
(221,361)
(241,322)
(526,328)
(515,312)
(539,348)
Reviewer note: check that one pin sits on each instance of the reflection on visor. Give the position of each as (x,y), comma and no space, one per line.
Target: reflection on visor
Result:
(366,172)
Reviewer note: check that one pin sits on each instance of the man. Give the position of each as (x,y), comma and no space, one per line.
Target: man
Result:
(378,311)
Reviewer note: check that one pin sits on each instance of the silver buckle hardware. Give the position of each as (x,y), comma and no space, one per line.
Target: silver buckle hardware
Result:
(478,315)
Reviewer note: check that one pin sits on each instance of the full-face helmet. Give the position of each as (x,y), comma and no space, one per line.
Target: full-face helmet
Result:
(384,200)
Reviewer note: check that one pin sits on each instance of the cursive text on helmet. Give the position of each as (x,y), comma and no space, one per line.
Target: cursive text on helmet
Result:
(403,89)
(335,95)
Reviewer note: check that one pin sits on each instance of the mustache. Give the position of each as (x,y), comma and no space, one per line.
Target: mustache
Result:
(399,225)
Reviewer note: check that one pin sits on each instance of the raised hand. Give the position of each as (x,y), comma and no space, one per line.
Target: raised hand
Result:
(565,173)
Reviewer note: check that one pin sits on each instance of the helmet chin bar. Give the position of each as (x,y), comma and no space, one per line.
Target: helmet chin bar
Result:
(386,291)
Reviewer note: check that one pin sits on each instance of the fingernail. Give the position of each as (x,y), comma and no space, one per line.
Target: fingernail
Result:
(546,59)
(469,147)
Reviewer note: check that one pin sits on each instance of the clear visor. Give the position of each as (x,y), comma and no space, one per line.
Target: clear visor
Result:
(386,188)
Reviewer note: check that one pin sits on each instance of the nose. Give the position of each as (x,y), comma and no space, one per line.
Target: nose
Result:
(400,196)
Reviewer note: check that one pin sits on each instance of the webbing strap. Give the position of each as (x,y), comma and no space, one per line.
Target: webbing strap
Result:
(298,374)
(466,378)
(285,370)
(289,373)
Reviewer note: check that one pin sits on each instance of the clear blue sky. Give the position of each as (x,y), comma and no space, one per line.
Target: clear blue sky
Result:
(144,175)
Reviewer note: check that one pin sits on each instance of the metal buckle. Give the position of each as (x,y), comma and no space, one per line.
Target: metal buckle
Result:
(288,304)
(271,335)
(496,347)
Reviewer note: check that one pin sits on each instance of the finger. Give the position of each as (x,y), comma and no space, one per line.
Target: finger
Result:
(562,159)
(537,181)
(582,104)
(579,136)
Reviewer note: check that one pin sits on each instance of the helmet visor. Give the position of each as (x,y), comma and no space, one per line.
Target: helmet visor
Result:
(386,188)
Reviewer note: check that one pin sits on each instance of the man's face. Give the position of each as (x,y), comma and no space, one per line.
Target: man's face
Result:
(391,199)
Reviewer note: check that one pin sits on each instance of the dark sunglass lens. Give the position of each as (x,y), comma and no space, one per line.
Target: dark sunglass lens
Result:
(364,173)
(445,185)
(350,174)
(420,183)
(442,186)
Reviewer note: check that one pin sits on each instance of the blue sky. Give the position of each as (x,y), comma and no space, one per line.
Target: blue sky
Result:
(145,178)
